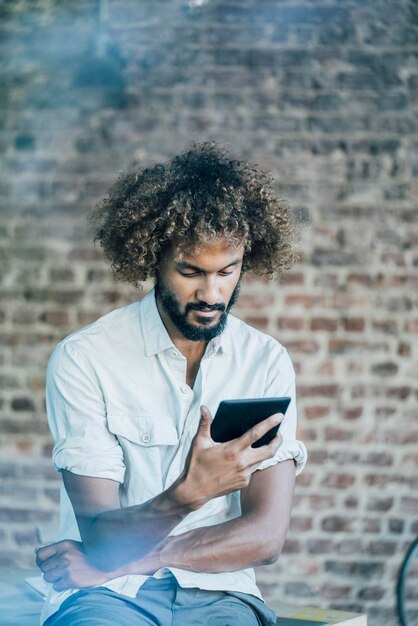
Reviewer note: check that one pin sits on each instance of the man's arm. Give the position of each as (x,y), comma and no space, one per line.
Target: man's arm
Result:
(113,536)
(255,538)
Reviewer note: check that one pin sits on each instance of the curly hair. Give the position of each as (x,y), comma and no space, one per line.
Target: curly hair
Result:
(199,196)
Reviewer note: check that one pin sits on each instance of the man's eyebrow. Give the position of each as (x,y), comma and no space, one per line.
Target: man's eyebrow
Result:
(184,265)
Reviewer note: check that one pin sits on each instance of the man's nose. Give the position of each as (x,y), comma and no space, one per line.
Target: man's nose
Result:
(209,291)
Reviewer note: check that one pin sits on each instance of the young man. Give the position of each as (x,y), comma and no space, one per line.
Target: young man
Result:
(170,522)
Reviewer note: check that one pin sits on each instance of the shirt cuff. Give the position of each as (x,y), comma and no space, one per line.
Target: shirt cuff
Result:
(289,449)
(73,455)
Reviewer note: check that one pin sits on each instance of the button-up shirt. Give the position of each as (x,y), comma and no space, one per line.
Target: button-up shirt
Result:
(119,407)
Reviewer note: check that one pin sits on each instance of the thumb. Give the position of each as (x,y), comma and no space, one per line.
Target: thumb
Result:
(205,420)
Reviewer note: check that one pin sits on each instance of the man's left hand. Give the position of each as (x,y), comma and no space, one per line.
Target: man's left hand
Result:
(65,564)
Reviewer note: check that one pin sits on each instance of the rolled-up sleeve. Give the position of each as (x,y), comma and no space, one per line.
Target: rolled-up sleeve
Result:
(281,383)
(77,418)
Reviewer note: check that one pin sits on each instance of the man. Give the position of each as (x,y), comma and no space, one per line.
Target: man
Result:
(170,522)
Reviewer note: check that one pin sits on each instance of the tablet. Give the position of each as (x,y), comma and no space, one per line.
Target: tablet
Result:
(234,417)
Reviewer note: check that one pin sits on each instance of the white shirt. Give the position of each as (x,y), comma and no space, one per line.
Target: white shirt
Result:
(119,407)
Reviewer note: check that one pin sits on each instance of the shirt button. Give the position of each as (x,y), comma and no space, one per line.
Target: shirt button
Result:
(146,437)
(184,389)
(174,354)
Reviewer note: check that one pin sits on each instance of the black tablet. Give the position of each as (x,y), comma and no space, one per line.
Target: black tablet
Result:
(234,417)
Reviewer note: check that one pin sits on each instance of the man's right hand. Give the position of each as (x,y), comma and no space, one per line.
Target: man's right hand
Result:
(215,469)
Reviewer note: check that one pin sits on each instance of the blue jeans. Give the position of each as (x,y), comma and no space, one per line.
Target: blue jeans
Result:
(162,602)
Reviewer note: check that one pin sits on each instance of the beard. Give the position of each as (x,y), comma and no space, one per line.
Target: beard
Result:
(205,329)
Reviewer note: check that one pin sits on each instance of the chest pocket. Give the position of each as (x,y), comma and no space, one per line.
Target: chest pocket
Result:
(144,430)
(148,444)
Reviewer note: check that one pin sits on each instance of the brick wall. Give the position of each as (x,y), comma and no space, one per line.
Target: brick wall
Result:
(323,93)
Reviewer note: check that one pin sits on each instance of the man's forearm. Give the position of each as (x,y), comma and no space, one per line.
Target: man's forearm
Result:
(225,547)
(118,537)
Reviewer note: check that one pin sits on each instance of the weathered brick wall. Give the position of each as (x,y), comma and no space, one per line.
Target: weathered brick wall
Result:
(325,95)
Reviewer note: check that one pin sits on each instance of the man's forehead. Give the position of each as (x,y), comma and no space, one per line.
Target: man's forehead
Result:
(221,246)
(228,252)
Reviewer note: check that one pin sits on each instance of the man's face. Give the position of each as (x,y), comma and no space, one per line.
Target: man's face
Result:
(196,292)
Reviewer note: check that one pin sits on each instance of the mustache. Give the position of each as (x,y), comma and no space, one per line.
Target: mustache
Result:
(205,307)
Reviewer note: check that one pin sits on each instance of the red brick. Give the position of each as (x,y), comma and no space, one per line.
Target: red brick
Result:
(55,317)
(307,434)
(399,392)
(354,324)
(320,546)
(335,592)
(411,326)
(292,279)
(389,326)
(384,548)
(387,368)
(302,347)
(404,349)
(291,323)
(388,282)
(291,546)
(319,391)
(371,525)
(338,481)
(344,346)
(409,504)
(362,280)
(352,413)
(85,254)
(350,546)
(322,502)
(338,434)
(24,515)
(372,593)
(380,504)
(396,526)
(255,300)
(316,412)
(303,300)
(384,480)
(336,524)
(63,274)
(410,460)
(324,323)
(300,524)
(107,297)
(317,457)
(351,502)
(305,479)
(325,368)
(259,322)
(380,459)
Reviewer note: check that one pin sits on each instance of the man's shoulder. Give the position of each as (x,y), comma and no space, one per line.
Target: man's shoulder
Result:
(117,325)
(243,334)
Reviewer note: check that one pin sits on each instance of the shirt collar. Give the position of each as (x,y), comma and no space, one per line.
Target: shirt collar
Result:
(156,337)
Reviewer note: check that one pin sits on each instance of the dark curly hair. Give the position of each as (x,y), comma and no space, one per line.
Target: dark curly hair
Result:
(197,197)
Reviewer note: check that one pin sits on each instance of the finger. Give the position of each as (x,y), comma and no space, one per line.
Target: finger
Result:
(52,563)
(256,432)
(205,421)
(268,451)
(274,445)
(264,453)
(62,584)
(54,575)
(45,552)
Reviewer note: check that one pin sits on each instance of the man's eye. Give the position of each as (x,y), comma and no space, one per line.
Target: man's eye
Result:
(189,273)
(225,273)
